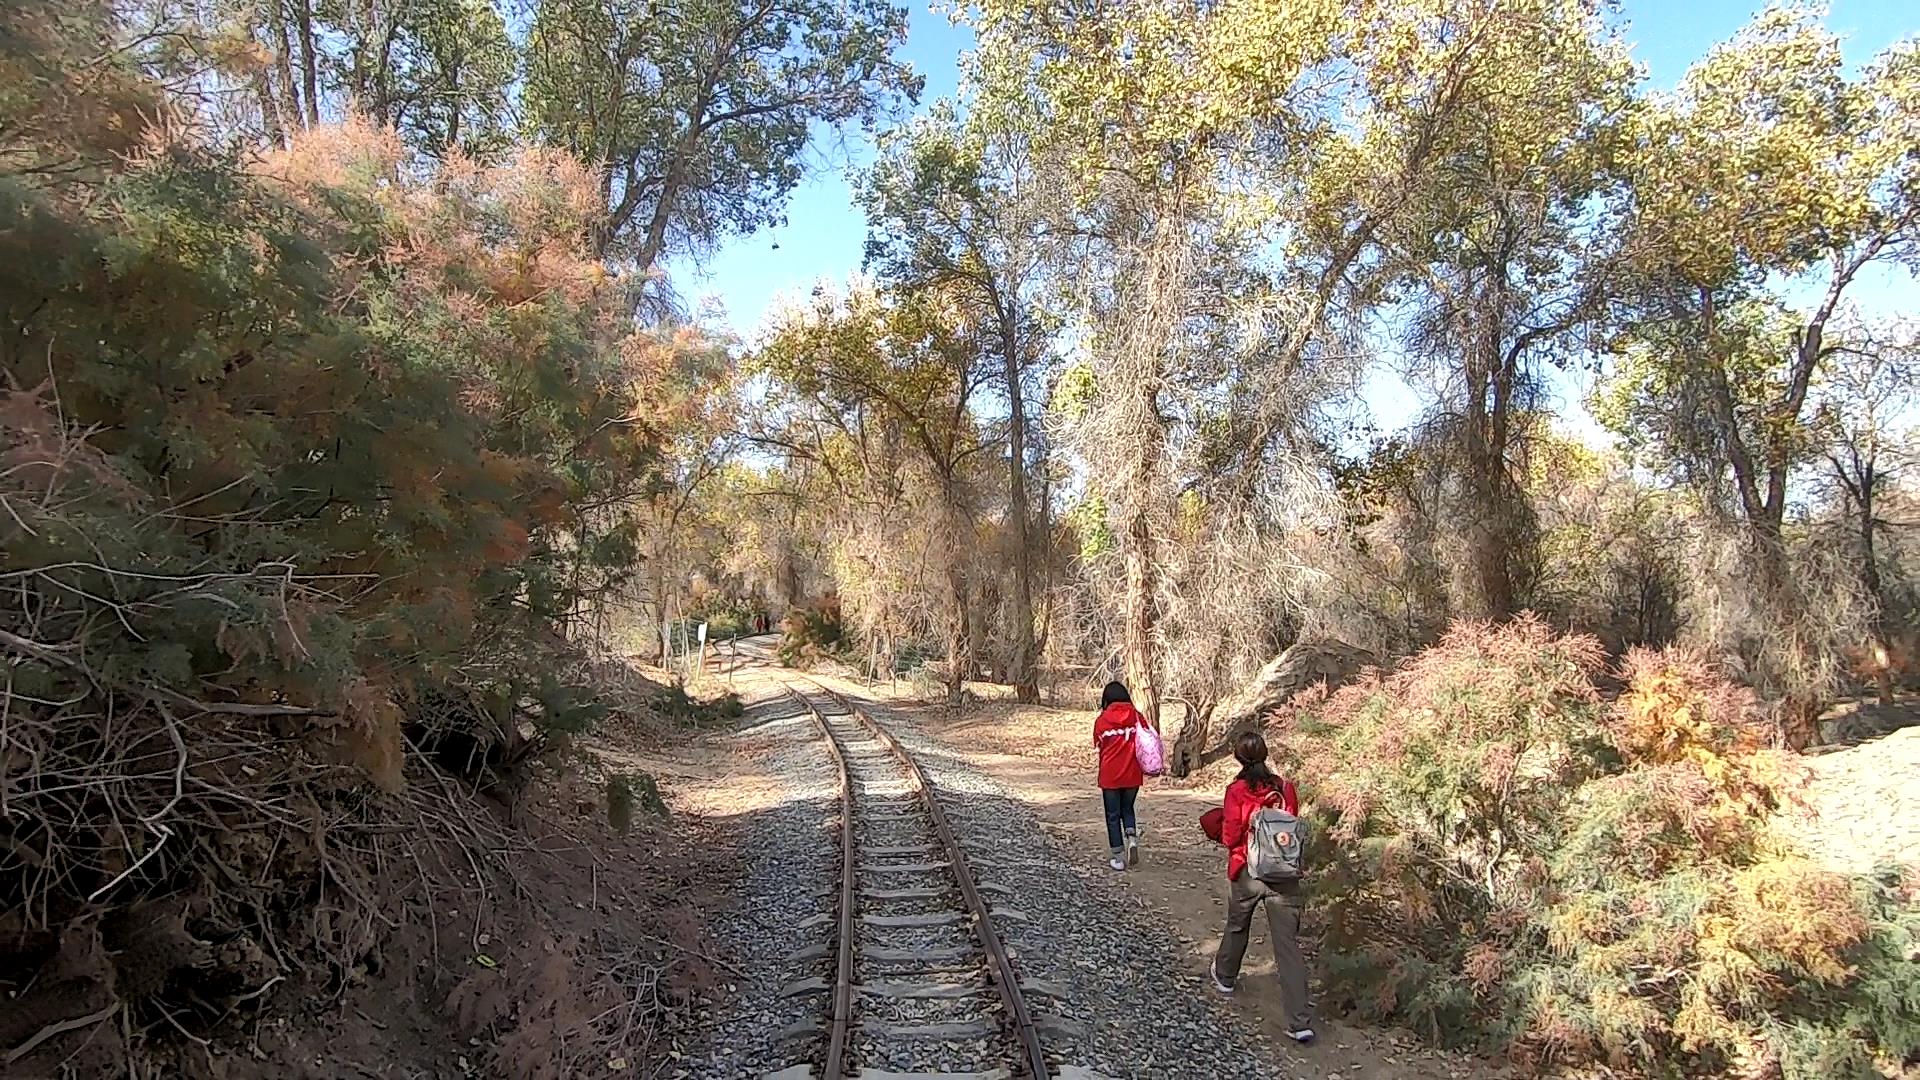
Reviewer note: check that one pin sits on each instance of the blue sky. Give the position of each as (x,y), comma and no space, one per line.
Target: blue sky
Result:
(824,233)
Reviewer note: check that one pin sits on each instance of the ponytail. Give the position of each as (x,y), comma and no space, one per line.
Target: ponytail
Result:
(1250,750)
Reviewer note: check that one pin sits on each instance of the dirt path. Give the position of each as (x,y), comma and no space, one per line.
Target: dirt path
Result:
(1863,801)
(1042,757)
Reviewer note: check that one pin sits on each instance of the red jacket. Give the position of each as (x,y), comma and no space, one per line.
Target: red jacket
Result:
(1113,735)
(1242,801)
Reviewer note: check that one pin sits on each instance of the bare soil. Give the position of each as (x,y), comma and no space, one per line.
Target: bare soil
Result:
(1863,796)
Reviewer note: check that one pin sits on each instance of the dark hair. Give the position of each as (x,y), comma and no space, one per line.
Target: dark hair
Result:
(1115,692)
(1250,750)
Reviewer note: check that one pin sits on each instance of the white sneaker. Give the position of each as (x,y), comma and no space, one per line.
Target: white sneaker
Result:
(1133,851)
(1220,987)
(1304,1036)
(1117,863)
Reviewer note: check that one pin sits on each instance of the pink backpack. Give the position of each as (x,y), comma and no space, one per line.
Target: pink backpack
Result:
(1148,750)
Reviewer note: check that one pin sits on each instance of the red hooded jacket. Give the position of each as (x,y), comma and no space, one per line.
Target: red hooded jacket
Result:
(1113,735)
(1242,800)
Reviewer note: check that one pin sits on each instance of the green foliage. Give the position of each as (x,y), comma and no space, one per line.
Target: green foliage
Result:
(1088,519)
(683,708)
(1522,867)
(321,432)
(453,64)
(717,100)
(567,709)
(725,619)
(1073,392)
(1771,162)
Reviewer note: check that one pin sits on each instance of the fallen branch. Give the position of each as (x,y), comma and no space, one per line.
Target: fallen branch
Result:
(684,951)
(142,861)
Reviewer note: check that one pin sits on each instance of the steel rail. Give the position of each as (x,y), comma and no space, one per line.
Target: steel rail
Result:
(834,1068)
(1032,1055)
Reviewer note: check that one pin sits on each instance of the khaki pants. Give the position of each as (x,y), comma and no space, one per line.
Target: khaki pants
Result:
(1284,905)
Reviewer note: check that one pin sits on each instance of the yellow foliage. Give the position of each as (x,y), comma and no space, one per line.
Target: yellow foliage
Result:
(1795,911)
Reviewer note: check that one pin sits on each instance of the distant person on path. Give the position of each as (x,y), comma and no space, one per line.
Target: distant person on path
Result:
(1256,789)
(1120,773)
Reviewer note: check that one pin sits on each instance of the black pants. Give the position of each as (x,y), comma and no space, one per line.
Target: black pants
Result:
(1119,804)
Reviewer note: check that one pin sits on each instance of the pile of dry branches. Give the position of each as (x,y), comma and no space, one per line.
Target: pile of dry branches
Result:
(184,850)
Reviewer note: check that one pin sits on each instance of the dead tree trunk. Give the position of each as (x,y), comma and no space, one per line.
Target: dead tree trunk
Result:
(958,634)
(1020,662)
(1206,734)
(1141,673)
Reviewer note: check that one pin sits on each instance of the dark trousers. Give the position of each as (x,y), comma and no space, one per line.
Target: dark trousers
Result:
(1284,904)
(1119,804)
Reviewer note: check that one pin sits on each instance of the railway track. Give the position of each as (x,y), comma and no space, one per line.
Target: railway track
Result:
(916,982)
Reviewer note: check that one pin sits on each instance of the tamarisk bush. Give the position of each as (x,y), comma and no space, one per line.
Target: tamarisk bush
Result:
(303,459)
(1520,865)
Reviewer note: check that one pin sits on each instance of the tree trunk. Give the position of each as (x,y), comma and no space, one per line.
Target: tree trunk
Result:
(1799,703)
(657,585)
(269,108)
(289,103)
(1882,655)
(1043,631)
(309,64)
(1138,642)
(1020,662)
(453,111)
(958,631)
(1762,516)
(1494,533)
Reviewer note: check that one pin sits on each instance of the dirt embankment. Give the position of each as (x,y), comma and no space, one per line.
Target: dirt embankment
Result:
(1862,808)
(532,940)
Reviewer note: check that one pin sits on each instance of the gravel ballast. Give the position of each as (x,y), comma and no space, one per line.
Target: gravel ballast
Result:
(789,857)
(1102,979)
(1127,1009)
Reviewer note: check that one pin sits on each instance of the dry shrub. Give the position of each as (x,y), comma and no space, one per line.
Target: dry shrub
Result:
(239,583)
(1675,708)
(809,635)
(537,1010)
(1518,866)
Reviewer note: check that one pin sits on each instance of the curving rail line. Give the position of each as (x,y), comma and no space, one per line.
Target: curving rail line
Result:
(1025,1056)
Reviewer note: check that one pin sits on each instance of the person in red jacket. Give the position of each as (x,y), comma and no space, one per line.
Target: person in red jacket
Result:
(1120,775)
(1257,787)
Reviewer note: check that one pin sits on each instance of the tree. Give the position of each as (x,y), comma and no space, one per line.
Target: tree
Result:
(698,112)
(452,66)
(955,208)
(697,419)
(1767,163)
(441,72)
(1504,257)
(887,370)
(1243,174)
(1864,418)
(1146,134)
(300,452)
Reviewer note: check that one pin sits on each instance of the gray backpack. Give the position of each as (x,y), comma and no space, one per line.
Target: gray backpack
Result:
(1277,842)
